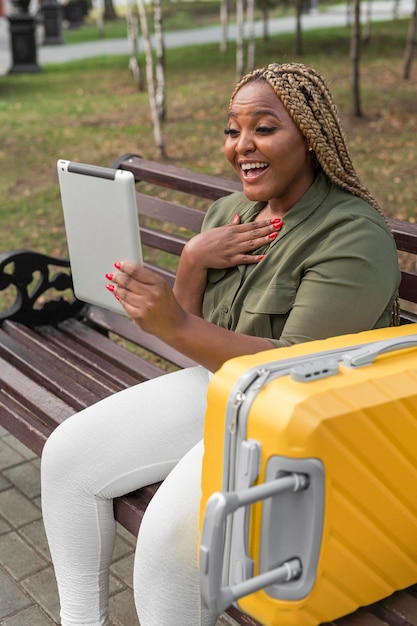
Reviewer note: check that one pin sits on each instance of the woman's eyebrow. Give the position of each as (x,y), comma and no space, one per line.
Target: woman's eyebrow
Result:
(257,113)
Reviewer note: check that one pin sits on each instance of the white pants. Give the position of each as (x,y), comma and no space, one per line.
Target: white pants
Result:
(131,439)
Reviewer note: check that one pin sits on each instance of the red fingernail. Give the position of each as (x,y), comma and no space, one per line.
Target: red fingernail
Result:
(117,297)
(110,287)
(110,276)
(118,265)
(272,235)
(260,257)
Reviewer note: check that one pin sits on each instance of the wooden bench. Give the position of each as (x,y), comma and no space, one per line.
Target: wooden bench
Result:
(58,355)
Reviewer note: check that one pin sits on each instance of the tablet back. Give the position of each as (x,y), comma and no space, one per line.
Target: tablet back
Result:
(102,227)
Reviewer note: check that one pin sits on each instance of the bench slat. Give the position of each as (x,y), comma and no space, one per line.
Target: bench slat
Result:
(170,212)
(404,234)
(79,388)
(126,329)
(200,185)
(113,360)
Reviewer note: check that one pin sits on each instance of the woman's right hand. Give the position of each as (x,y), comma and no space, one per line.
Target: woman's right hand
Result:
(230,245)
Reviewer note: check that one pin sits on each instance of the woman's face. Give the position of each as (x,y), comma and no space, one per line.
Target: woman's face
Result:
(266,148)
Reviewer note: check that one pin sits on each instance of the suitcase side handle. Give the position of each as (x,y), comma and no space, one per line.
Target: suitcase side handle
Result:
(367,354)
(219,506)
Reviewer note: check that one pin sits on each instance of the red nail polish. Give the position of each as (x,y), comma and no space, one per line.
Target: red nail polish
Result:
(118,265)
(117,297)
(110,287)
(260,257)
(110,276)
(272,235)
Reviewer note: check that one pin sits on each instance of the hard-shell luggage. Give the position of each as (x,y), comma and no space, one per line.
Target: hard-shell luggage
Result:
(309,488)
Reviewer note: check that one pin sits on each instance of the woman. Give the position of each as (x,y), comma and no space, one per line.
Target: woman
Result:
(302,254)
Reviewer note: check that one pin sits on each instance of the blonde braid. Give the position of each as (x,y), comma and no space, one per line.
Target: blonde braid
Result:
(310,104)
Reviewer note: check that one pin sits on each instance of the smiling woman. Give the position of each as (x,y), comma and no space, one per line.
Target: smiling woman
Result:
(302,253)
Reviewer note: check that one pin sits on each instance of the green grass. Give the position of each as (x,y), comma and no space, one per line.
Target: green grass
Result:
(91,111)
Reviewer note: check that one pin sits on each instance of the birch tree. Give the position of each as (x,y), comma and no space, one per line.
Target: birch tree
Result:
(355,58)
(243,21)
(250,20)
(224,24)
(133,38)
(99,7)
(298,41)
(160,94)
(152,75)
(410,43)
(240,39)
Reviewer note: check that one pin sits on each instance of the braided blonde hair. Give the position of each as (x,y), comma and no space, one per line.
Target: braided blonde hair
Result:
(310,104)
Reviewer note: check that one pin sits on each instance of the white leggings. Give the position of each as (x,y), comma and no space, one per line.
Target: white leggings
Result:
(131,439)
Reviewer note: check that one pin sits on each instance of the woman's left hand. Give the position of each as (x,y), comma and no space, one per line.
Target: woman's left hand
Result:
(147,298)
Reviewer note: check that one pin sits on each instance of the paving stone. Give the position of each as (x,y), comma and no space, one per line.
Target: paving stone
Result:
(4,526)
(4,483)
(18,558)
(8,456)
(41,587)
(26,478)
(122,548)
(126,536)
(32,616)
(34,534)
(19,447)
(123,569)
(122,610)
(17,509)
(12,598)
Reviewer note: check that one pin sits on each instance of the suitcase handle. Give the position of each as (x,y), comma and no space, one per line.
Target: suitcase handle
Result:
(219,506)
(367,354)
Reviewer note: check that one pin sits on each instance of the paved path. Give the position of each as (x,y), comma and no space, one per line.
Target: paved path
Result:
(333,16)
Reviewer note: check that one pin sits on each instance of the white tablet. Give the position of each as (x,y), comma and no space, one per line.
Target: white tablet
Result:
(102,226)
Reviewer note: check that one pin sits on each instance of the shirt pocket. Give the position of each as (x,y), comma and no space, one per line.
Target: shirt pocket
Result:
(277,300)
(265,311)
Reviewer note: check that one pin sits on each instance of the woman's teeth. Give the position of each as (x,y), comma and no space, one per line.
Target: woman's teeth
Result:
(252,166)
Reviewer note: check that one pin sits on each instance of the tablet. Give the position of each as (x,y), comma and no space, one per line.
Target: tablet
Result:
(102,226)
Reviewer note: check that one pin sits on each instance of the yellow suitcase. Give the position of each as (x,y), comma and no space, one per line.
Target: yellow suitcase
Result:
(309,488)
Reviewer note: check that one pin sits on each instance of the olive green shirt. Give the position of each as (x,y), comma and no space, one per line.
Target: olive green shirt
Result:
(331,270)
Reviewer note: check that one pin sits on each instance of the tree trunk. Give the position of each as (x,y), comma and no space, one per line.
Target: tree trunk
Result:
(109,12)
(250,19)
(265,22)
(132,35)
(348,12)
(298,40)
(367,30)
(355,59)
(239,39)
(99,17)
(157,125)
(224,22)
(410,43)
(160,60)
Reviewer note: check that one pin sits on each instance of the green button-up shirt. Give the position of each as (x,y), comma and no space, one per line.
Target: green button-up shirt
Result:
(331,270)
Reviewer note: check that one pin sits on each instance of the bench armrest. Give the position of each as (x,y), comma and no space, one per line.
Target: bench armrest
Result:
(25,277)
